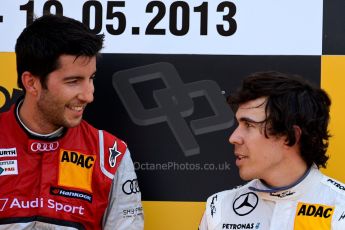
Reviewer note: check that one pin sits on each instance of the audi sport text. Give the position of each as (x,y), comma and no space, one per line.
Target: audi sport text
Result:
(42,203)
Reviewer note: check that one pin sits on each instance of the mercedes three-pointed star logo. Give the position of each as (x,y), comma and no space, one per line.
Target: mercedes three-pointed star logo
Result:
(245,203)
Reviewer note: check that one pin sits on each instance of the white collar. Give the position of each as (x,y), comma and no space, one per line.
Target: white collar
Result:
(301,186)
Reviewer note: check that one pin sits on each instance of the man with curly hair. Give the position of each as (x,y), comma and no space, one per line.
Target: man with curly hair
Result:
(279,144)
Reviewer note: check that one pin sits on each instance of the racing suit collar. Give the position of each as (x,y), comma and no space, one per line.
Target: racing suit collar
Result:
(294,190)
(33,135)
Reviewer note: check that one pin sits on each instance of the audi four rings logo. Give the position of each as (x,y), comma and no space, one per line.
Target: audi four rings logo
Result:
(130,186)
(44,147)
(245,204)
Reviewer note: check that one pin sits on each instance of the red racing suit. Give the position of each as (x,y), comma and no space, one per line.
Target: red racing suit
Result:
(84,179)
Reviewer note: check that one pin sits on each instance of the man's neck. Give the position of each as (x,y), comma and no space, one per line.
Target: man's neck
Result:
(23,114)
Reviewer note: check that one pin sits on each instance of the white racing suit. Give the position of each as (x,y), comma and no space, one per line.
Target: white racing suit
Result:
(315,202)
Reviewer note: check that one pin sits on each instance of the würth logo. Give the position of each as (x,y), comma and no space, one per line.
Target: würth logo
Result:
(174,103)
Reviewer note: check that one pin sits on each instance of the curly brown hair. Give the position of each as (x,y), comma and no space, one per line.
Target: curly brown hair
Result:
(291,101)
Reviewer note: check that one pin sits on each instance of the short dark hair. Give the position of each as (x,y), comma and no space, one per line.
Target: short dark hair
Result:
(291,101)
(41,43)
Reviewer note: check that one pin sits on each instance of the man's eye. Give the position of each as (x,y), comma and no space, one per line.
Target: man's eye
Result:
(248,125)
(72,82)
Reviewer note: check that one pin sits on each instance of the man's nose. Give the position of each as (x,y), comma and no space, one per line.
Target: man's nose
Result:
(235,137)
(86,94)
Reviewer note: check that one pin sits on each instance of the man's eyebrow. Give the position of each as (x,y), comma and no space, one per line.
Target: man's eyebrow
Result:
(72,78)
(249,120)
(77,77)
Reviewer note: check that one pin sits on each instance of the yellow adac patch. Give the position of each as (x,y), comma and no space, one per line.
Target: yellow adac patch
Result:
(75,169)
(313,216)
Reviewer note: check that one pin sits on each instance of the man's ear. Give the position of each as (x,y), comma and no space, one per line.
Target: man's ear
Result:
(298,133)
(31,83)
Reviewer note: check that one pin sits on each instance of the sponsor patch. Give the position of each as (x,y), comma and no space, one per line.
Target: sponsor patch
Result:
(282,194)
(213,206)
(132,212)
(245,203)
(17,203)
(8,167)
(75,169)
(113,154)
(241,226)
(131,187)
(337,184)
(313,216)
(35,146)
(342,217)
(70,194)
(10,152)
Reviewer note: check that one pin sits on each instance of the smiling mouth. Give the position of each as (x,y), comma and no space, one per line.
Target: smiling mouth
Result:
(77,108)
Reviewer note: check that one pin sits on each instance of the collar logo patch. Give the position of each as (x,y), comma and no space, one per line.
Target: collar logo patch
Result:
(41,147)
(245,203)
(313,216)
(282,194)
(113,154)
(75,169)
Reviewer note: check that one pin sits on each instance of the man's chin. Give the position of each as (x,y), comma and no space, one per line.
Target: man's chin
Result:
(246,177)
(73,123)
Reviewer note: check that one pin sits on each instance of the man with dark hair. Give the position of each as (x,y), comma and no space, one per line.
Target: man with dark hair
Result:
(279,144)
(56,170)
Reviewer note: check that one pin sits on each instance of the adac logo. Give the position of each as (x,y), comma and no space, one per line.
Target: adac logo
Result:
(315,210)
(313,216)
(245,203)
(75,170)
(9,92)
(81,160)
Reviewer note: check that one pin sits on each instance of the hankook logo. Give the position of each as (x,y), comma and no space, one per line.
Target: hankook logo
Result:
(44,147)
(245,203)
